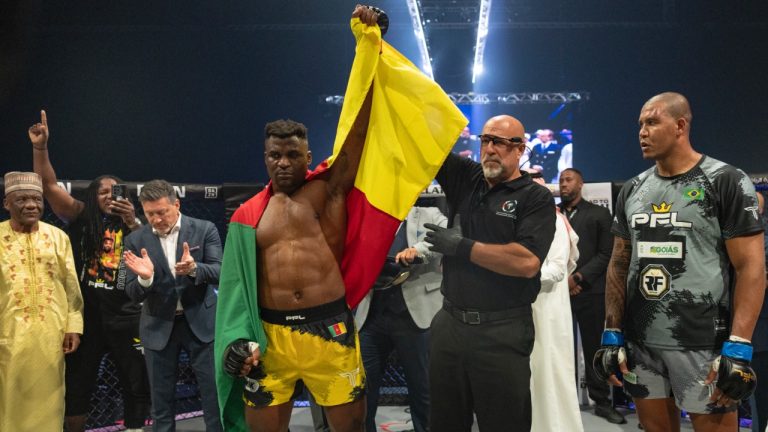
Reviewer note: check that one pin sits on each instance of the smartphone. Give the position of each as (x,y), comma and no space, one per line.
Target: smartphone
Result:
(119,192)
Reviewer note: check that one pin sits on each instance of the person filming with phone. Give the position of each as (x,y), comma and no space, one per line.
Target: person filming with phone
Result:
(97,227)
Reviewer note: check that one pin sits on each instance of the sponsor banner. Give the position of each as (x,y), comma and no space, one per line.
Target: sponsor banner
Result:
(598,193)
(196,191)
(646,249)
(77,188)
(433,190)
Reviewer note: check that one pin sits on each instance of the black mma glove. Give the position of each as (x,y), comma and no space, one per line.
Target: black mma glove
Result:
(735,377)
(382,20)
(235,355)
(611,353)
(448,241)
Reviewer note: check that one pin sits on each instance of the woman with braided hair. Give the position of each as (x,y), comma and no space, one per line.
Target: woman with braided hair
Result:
(97,227)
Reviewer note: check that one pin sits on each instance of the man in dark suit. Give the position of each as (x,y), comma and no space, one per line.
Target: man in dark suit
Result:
(587,283)
(173,263)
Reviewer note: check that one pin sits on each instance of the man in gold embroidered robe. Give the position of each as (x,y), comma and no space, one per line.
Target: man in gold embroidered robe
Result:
(41,310)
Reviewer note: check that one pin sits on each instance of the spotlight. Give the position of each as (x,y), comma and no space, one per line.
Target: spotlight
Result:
(482,34)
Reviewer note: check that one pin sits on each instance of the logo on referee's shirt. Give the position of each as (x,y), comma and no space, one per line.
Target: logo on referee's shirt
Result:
(508,209)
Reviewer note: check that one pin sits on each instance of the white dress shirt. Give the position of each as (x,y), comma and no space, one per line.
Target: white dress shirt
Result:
(168,243)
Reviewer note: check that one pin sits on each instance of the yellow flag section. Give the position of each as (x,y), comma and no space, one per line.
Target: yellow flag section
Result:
(412,128)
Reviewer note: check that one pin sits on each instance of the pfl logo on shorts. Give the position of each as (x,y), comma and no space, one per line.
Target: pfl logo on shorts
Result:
(655,282)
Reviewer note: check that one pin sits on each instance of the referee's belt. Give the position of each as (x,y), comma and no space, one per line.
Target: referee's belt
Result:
(479,317)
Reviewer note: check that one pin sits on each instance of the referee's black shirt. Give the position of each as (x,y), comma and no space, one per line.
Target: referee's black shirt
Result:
(518,211)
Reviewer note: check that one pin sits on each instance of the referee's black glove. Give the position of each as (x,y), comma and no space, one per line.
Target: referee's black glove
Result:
(448,241)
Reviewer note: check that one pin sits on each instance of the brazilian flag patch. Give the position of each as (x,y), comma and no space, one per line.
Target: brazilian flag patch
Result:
(693,194)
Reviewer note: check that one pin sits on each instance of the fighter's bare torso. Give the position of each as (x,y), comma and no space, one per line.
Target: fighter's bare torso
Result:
(301,240)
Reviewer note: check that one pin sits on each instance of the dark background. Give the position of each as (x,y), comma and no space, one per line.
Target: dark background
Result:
(182,89)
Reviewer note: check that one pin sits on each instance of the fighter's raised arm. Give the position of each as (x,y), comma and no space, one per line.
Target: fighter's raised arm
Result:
(341,175)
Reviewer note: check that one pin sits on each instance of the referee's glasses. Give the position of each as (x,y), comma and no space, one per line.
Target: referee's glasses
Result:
(500,142)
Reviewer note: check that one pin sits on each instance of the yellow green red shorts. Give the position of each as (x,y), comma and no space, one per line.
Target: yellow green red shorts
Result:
(317,346)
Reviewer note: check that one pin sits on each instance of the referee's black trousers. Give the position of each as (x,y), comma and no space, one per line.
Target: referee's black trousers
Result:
(482,369)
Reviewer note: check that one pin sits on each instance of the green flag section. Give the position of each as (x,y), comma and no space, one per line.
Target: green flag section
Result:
(237,317)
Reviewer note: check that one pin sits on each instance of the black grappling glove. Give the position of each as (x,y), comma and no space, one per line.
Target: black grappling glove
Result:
(448,241)
(610,355)
(235,355)
(735,377)
(382,20)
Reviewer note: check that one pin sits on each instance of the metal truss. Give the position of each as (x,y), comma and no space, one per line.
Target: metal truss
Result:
(518,98)
(496,98)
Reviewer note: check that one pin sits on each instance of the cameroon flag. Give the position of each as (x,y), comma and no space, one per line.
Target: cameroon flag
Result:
(413,126)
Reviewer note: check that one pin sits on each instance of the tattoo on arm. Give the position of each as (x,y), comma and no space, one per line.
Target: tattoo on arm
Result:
(616,282)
